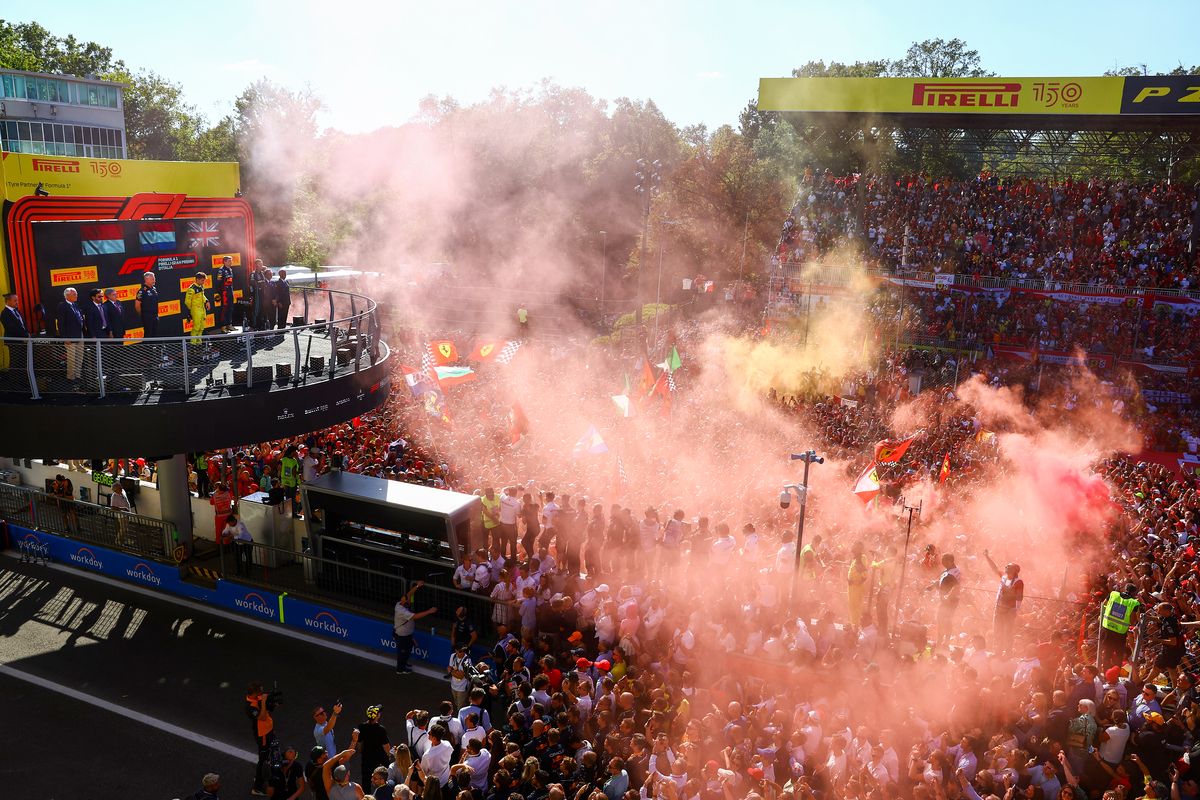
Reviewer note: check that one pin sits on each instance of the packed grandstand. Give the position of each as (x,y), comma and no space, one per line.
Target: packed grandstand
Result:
(1028,633)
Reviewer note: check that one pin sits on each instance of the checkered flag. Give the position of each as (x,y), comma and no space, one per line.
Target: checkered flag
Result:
(427,364)
(508,352)
(670,381)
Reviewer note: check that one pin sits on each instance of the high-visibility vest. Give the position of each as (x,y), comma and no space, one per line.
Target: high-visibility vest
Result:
(289,469)
(492,505)
(1118,611)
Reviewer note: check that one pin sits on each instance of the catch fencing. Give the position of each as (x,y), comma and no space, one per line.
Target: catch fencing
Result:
(88,522)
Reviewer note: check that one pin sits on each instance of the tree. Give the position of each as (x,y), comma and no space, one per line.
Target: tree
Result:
(938,58)
(29,46)
(158,123)
(877,68)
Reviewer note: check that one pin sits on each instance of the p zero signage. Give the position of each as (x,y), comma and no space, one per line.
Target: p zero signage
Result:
(1070,96)
(1165,94)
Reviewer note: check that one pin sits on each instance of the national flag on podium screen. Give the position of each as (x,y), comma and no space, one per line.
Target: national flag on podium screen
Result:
(867,485)
(205,233)
(102,239)
(156,236)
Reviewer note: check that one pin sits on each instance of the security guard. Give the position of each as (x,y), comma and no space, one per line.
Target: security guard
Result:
(223,292)
(146,305)
(197,305)
(258,295)
(289,475)
(1118,614)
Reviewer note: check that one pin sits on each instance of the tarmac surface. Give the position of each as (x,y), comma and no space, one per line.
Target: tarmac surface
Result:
(113,693)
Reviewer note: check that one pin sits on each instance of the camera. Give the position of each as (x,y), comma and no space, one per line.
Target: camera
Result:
(275,696)
(785,498)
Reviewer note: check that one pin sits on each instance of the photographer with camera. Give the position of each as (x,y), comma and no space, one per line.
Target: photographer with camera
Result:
(259,705)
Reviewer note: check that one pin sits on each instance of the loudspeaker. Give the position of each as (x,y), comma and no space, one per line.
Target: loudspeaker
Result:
(239,377)
(262,376)
(283,372)
(316,364)
(345,355)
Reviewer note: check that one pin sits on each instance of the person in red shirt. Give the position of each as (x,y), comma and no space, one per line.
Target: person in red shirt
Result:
(222,503)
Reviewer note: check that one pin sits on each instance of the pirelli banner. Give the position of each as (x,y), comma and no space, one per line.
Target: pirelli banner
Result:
(1050,96)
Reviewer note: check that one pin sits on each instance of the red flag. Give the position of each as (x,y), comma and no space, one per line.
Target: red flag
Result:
(518,423)
(444,352)
(867,485)
(889,451)
(646,382)
(944,472)
(485,349)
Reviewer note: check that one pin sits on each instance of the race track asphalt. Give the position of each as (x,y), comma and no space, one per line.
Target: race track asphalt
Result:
(87,665)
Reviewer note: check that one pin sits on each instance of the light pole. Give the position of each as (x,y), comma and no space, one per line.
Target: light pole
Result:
(809,457)
(649,180)
(603,272)
(912,510)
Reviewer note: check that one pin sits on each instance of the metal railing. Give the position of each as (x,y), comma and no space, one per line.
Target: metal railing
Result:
(818,274)
(330,334)
(351,585)
(87,522)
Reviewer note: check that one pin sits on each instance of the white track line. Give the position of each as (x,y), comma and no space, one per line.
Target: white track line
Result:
(166,727)
(270,627)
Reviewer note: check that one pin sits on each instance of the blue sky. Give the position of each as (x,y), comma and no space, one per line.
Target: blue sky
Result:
(370,63)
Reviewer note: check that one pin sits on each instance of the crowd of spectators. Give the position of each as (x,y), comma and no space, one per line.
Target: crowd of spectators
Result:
(1108,233)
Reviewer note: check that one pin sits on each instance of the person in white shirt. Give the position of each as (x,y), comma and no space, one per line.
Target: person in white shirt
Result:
(417,728)
(460,681)
(472,730)
(479,760)
(236,532)
(510,510)
(118,501)
(464,574)
(436,761)
(549,516)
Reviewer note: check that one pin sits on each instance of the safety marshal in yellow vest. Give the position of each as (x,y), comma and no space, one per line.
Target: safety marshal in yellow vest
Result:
(1118,614)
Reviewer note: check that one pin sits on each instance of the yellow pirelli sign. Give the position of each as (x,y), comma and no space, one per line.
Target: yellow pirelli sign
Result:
(65,277)
(1079,96)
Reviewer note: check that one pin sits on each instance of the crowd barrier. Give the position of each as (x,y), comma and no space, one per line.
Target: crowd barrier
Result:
(371,633)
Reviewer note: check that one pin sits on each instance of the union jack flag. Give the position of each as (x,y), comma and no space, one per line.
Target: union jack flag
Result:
(204,234)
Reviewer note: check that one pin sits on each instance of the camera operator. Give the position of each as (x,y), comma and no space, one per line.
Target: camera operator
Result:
(259,705)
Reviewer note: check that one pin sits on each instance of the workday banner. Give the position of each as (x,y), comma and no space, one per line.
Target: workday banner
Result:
(360,630)
(247,600)
(108,562)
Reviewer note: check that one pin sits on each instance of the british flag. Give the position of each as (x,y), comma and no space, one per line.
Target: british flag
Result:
(204,234)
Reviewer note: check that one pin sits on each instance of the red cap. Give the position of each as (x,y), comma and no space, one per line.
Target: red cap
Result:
(603,666)
(756,773)
(1112,675)
(582,663)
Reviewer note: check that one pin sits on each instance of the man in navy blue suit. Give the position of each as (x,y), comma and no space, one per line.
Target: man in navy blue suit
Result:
(14,332)
(114,313)
(70,327)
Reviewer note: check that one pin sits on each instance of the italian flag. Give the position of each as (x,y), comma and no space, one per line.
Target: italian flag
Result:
(102,239)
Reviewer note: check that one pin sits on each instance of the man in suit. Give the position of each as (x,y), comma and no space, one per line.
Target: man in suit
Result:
(69,320)
(96,319)
(14,332)
(114,313)
(94,316)
(283,299)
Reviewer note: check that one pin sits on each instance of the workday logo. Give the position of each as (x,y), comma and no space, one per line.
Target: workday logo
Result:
(36,545)
(253,601)
(142,571)
(87,558)
(324,621)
